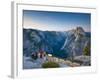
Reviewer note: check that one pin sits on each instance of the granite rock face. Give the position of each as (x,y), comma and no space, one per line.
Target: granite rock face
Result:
(59,44)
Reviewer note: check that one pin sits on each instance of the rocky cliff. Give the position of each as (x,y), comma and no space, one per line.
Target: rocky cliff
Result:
(60,44)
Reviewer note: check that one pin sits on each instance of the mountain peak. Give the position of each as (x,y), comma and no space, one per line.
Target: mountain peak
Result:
(79,31)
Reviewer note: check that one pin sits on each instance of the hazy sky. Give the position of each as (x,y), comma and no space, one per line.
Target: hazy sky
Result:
(55,21)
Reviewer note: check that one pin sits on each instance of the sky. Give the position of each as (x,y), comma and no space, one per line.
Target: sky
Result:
(56,21)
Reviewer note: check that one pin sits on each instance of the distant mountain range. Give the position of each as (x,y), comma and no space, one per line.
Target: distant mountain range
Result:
(59,44)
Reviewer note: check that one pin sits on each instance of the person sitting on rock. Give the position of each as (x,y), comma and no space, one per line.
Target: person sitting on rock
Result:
(34,56)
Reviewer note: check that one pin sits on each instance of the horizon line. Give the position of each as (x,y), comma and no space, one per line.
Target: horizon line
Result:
(55,30)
